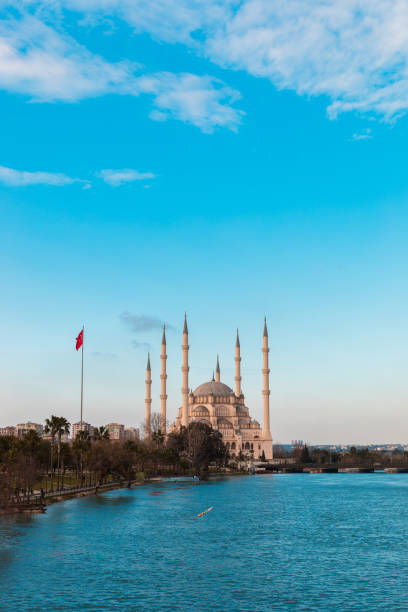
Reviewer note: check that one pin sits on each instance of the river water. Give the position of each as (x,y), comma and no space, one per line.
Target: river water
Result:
(276,542)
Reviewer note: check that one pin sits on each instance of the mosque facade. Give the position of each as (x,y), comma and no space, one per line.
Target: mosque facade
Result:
(217,404)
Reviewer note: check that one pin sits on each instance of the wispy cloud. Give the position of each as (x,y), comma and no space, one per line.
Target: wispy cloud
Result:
(200,100)
(45,64)
(116,178)
(142,323)
(363,135)
(21,178)
(354,52)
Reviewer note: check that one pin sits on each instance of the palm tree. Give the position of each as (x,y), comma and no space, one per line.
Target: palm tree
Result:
(63,427)
(50,428)
(57,427)
(100,433)
(31,441)
(80,446)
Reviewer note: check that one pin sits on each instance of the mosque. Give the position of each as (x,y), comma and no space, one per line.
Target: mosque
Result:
(216,404)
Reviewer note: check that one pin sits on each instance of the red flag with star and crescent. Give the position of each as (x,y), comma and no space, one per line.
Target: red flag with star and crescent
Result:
(79,340)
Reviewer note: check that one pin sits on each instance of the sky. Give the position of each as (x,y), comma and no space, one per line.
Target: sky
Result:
(228,159)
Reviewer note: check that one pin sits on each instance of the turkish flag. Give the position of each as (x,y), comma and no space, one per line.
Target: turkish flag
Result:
(79,340)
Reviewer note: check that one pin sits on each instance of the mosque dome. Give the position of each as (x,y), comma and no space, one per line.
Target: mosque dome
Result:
(214,388)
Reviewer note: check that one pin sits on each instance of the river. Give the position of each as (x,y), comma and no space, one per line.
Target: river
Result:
(273,542)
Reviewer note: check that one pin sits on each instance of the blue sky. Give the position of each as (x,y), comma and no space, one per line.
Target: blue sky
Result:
(228,159)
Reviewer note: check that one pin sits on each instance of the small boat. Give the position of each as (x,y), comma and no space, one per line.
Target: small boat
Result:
(203,513)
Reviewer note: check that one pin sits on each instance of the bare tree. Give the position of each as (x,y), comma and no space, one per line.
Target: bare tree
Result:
(279,452)
(154,432)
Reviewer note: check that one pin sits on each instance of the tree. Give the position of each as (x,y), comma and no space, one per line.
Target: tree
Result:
(304,455)
(21,463)
(263,458)
(81,446)
(100,433)
(57,426)
(279,451)
(123,460)
(199,445)
(51,428)
(153,432)
(99,459)
(31,443)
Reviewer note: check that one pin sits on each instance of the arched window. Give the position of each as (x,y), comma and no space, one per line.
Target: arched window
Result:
(200,411)
(232,445)
(224,424)
(244,423)
(228,445)
(246,445)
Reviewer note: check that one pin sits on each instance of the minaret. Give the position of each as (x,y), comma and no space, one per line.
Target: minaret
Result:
(185,369)
(217,371)
(266,392)
(237,367)
(163,379)
(148,400)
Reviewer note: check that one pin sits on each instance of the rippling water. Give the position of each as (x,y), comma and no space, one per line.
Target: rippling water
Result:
(277,542)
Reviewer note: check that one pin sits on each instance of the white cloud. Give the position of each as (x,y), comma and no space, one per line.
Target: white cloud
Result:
(115,178)
(354,52)
(21,178)
(200,100)
(47,66)
(363,135)
(167,20)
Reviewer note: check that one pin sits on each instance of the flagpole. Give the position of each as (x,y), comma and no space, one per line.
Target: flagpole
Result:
(82,376)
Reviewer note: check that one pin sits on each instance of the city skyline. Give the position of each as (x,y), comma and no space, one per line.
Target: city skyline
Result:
(148,170)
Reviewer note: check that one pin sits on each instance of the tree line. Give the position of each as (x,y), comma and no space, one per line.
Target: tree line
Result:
(31,464)
(352,457)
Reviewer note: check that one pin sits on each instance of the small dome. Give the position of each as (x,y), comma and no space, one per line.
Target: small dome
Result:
(214,388)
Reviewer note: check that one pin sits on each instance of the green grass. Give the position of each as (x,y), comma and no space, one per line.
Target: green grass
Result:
(70,480)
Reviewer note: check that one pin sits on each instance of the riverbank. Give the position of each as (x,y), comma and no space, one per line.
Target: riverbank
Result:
(38,503)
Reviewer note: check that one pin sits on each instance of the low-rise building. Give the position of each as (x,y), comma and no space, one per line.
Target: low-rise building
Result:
(8,431)
(116,432)
(23,428)
(132,433)
(77,427)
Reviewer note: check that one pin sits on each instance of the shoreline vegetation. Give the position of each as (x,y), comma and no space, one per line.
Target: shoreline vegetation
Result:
(35,472)
(35,469)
